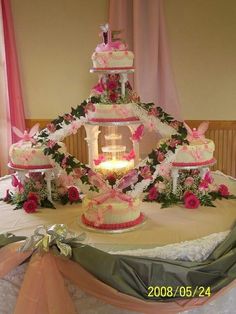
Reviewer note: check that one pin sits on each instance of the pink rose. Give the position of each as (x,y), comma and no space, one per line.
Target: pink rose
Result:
(89,107)
(96,180)
(113,97)
(51,127)
(111,85)
(191,201)
(173,142)
(33,197)
(189,181)
(153,194)
(99,88)
(73,194)
(223,190)
(208,177)
(62,190)
(79,172)
(65,180)
(68,117)
(30,206)
(203,185)
(64,162)
(160,156)
(51,143)
(146,172)
(153,111)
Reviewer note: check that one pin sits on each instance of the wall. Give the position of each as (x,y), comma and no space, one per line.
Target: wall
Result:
(202,38)
(55,39)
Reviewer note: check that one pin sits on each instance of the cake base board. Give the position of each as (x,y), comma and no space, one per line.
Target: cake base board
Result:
(121,230)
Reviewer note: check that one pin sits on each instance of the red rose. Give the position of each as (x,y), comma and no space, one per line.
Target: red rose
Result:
(30,206)
(191,201)
(73,194)
(153,194)
(187,193)
(33,197)
(111,85)
(113,97)
(223,190)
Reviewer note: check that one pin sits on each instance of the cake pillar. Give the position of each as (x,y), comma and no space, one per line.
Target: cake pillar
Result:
(92,132)
(175,175)
(123,80)
(132,128)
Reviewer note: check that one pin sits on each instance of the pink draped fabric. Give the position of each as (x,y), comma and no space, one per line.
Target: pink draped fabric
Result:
(12,108)
(144,29)
(43,289)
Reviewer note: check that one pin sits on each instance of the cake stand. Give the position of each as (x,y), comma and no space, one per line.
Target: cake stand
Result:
(203,169)
(49,176)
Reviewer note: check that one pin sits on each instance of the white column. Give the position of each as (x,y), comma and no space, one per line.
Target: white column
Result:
(49,174)
(123,80)
(92,132)
(132,128)
(174,175)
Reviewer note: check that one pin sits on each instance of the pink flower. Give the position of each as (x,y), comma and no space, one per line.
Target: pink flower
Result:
(51,143)
(62,190)
(14,181)
(99,88)
(146,172)
(111,85)
(38,185)
(68,117)
(138,133)
(160,186)
(64,162)
(153,111)
(173,142)
(129,156)
(51,127)
(75,125)
(189,181)
(153,194)
(113,97)
(36,176)
(160,156)
(89,107)
(223,190)
(208,177)
(203,185)
(175,124)
(30,206)
(33,197)
(191,201)
(65,180)
(79,172)
(73,194)
(101,158)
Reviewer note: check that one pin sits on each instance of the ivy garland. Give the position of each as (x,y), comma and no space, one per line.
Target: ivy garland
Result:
(79,114)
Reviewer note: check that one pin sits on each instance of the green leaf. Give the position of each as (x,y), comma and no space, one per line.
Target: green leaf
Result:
(47,204)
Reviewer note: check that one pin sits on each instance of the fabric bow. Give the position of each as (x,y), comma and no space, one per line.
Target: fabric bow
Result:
(26,136)
(114,194)
(45,237)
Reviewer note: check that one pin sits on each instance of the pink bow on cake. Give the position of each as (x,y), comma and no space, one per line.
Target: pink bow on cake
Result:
(113,194)
(26,136)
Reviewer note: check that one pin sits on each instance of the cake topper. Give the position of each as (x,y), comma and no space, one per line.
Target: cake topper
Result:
(110,42)
(26,136)
(197,134)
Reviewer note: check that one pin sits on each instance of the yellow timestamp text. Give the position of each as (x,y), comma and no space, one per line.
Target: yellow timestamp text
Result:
(179,291)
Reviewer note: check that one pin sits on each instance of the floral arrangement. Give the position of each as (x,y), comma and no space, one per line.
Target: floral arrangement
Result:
(192,190)
(33,193)
(108,90)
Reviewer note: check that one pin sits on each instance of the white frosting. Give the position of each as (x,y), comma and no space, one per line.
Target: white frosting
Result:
(113,59)
(108,112)
(111,211)
(195,152)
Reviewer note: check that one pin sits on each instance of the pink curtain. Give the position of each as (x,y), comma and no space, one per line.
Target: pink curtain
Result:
(11,106)
(143,24)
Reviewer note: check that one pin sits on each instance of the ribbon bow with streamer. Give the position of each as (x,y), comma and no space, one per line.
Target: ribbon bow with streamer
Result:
(26,136)
(115,194)
(197,134)
(45,237)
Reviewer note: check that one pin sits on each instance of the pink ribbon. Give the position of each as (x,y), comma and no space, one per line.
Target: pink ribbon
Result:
(114,194)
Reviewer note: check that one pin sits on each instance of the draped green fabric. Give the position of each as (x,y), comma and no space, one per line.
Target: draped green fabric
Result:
(133,275)
(8,238)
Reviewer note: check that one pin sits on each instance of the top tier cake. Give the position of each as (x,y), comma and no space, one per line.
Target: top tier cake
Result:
(112,54)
